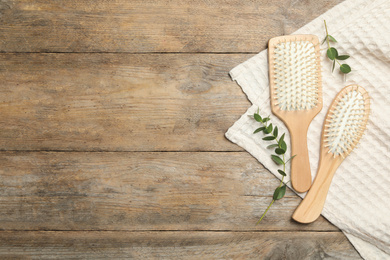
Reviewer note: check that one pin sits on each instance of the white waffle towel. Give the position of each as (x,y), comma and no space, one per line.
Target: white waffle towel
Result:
(358,199)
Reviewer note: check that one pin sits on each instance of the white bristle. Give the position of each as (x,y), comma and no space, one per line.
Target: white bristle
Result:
(296,75)
(345,123)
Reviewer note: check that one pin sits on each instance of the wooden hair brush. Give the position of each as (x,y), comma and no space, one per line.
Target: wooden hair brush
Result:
(344,125)
(296,95)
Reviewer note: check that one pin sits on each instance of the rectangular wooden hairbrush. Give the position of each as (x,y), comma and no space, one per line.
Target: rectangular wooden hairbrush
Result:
(296,95)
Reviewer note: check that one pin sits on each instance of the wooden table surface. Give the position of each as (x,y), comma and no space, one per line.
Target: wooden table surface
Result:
(112,122)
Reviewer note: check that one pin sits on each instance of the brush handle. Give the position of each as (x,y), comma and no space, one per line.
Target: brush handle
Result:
(311,206)
(300,164)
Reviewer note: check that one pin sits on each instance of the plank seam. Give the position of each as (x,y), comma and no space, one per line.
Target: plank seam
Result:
(123,151)
(178,231)
(158,53)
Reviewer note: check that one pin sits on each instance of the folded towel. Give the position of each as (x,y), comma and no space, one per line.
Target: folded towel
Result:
(357,201)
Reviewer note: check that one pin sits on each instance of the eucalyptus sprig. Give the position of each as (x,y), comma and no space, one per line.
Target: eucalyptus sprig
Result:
(333,54)
(280,147)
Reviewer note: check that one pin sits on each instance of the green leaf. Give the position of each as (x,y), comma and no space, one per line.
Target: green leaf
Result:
(280,151)
(342,57)
(282,173)
(334,63)
(272,146)
(292,157)
(266,119)
(281,140)
(276,131)
(277,159)
(269,138)
(283,145)
(268,129)
(258,118)
(345,68)
(279,192)
(331,38)
(259,129)
(324,39)
(332,53)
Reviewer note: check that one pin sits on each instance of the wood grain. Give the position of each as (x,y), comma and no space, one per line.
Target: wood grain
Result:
(74,82)
(141,191)
(175,245)
(150,26)
(118,102)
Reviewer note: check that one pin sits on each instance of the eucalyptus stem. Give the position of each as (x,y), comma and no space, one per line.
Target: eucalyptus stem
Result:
(327,35)
(272,202)
(280,150)
(265,212)
(333,54)
(327,41)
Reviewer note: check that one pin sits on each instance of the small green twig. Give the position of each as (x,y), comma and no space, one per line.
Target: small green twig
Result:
(280,150)
(327,34)
(265,212)
(333,55)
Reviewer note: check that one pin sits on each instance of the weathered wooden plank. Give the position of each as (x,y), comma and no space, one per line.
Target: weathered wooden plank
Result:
(175,245)
(150,26)
(141,191)
(118,102)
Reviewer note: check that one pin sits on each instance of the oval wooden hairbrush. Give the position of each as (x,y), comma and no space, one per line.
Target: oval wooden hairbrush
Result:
(344,125)
(296,95)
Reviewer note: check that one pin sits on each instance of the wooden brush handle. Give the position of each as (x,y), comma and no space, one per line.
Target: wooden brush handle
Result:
(300,165)
(311,206)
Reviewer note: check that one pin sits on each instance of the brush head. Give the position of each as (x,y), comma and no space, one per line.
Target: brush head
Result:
(295,72)
(346,120)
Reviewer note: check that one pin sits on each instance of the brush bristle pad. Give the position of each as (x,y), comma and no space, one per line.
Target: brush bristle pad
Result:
(346,121)
(296,75)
